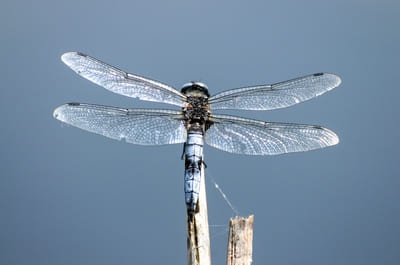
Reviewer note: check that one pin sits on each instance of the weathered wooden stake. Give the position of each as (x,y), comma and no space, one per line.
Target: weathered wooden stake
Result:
(240,241)
(198,235)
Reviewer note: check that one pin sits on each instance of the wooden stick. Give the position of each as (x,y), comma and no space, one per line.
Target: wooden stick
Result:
(198,235)
(240,241)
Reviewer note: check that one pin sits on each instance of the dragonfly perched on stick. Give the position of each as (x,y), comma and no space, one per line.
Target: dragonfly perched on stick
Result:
(195,122)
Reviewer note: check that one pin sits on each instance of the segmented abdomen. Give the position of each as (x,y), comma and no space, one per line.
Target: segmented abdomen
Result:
(193,167)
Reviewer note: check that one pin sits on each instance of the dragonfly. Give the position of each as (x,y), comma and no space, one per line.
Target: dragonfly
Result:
(195,122)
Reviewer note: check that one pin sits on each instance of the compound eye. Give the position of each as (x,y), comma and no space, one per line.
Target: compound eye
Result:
(195,89)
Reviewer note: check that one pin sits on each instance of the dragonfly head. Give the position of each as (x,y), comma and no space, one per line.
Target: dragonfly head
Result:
(196,89)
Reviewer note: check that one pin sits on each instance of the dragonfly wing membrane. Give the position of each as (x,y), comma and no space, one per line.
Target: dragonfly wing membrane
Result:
(279,95)
(251,137)
(120,82)
(137,126)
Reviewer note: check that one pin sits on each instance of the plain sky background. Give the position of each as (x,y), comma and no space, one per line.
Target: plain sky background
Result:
(71,197)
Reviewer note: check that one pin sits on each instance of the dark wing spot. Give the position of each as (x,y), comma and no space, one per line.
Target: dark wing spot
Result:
(318,74)
(74,104)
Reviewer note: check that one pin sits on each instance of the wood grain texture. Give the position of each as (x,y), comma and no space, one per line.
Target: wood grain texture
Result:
(240,241)
(198,235)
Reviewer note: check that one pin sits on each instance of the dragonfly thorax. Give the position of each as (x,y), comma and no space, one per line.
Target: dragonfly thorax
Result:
(197,110)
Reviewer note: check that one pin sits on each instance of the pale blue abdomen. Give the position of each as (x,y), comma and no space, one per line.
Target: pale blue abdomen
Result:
(193,166)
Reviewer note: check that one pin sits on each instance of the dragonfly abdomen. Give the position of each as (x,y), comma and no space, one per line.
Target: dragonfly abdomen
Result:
(193,167)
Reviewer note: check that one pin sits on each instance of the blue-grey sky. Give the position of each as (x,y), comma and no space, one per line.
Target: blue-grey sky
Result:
(71,197)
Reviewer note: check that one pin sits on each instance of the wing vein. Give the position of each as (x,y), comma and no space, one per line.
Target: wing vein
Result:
(137,126)
(120,82)
(279,95)
(251,137)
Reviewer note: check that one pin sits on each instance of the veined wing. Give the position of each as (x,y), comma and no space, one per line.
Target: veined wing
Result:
(279,95)
(251,137)
(121,82)
(137,126)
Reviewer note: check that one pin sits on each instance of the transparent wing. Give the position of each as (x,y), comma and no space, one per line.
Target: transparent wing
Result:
(121,82)
(280,95)
(251,137)
(137,126)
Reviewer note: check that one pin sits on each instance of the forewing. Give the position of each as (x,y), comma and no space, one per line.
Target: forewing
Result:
(251,137)
(280,95)
(137,126)
(121,82)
